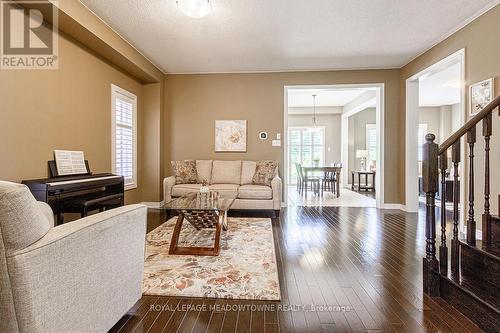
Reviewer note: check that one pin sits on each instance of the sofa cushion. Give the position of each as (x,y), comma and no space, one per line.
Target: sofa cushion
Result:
(185,172)
(247,172)
(226,172)
(181,189)
(22,222)
(255,192)
(224,188)
(264,172)
(204,169)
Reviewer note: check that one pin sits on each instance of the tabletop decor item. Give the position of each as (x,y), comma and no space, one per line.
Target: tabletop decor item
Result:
(204,186)
(362,154)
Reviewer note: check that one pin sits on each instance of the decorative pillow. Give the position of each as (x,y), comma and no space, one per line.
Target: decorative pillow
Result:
(264,172)
(185,172)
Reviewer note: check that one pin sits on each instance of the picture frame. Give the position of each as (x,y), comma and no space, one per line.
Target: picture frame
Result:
(231,136)
(480,95)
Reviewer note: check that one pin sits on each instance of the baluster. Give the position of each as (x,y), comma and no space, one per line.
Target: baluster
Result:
(430,186)
(455,256)
(443,250)
(486,225)
(471,223)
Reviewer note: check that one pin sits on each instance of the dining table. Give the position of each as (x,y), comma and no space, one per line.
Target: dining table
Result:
(308,170)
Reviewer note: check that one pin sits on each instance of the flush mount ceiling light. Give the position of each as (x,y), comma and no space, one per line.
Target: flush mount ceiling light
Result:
(195,8)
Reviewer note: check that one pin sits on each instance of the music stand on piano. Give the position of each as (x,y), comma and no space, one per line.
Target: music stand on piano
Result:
(54,173)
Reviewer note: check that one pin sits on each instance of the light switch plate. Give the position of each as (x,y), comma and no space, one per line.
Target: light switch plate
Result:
(276,143)
(278,136)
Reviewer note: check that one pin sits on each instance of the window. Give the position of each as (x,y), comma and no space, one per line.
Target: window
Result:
(422,132)
(305,144)
(124,135)
(371,143)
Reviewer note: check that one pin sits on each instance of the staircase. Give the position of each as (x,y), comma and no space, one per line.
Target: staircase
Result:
(464,272)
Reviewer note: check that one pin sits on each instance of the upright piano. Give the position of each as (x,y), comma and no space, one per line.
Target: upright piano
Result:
(78,193)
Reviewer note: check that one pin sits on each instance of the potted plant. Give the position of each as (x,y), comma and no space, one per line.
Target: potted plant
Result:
(316,161)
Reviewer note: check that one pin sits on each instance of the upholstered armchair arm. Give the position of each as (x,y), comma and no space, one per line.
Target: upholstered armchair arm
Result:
(47,211)
(276,185)
(91,267)
(168,183)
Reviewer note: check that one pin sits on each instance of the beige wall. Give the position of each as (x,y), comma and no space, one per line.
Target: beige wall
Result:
(152,172)
(194,102)
(431,115)
(77,21)
(480,39)
(68,108)
(357,136)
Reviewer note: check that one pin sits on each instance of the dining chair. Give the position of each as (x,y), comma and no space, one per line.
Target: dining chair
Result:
(328,182)
(300,181)
(314,181)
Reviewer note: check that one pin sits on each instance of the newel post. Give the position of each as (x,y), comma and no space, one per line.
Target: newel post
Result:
(430,187)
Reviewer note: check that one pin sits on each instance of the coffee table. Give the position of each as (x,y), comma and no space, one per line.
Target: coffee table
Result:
(202,210)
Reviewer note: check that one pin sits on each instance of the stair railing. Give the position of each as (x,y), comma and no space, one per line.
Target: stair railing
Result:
(435,162)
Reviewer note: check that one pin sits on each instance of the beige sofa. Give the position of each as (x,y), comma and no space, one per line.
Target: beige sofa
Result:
(82,276)
(231,176)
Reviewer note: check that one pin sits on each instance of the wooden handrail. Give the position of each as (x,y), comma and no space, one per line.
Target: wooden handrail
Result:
(468,125)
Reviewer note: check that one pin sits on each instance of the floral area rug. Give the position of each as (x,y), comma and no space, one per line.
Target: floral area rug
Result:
(245,268)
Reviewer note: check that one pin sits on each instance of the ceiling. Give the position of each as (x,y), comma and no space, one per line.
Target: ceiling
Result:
(441,88)
(286,35)
(324,97)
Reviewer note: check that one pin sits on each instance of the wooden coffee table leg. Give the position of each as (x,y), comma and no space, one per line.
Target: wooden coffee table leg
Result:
(202,251)
(175,235)
(224,221)
(218,229)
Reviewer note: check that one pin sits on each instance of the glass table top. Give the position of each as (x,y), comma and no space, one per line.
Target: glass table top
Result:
(216,201)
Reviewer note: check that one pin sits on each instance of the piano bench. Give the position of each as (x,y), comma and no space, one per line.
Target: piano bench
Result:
(85,204)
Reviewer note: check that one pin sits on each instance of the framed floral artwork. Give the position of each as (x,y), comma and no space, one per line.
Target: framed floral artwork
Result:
(230,136)
(480,95)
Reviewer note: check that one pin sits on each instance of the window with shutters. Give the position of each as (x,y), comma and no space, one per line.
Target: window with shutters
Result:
(305,145)
(371,143)
(124,135)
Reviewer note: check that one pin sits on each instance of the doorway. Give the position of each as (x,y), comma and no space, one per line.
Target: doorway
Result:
(316,137)
(435,103)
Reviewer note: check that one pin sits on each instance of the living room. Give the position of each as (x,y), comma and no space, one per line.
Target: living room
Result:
(177,111)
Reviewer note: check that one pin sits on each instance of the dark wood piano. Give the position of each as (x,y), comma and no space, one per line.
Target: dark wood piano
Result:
(78,193)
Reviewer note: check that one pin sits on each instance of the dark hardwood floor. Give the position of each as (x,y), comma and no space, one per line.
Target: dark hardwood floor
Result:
(341,270)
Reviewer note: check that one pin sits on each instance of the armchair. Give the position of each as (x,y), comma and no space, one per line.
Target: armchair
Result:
(82,276)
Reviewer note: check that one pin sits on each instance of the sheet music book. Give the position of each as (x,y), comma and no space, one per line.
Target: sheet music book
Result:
(70,162)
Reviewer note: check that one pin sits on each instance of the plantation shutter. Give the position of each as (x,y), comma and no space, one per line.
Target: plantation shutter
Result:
(124,137)
(371,142)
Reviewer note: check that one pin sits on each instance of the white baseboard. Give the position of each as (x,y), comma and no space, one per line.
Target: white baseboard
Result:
(394,206)
(152,204)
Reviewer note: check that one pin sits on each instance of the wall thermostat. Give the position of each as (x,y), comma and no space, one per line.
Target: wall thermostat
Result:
(263,135)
